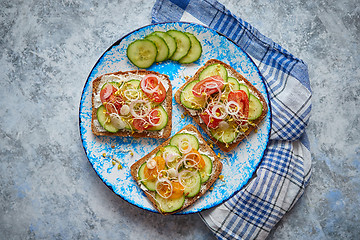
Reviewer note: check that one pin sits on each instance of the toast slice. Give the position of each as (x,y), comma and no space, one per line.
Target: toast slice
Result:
(152,194)
(195,114)
(122,77)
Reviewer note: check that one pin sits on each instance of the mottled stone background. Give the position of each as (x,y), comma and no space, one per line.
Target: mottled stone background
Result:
(48,189)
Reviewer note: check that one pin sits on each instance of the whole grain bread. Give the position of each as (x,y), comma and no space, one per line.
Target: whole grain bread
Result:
(167,104)
(225,147)
(204,147)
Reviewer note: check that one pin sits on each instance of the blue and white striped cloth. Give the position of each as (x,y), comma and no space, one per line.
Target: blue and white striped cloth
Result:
(285,169)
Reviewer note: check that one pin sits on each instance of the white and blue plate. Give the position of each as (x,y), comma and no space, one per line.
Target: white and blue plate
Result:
(239,165)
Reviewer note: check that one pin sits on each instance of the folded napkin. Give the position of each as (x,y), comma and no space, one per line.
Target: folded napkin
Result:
(284,171)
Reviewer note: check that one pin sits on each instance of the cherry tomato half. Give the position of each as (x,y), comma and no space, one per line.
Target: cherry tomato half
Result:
(209,85)
(142,124)
(153,88)
(154,116)
(209,120)
(241,98)
(106,92)
(114,104)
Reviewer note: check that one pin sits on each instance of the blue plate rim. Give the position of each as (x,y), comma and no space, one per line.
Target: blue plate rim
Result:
(220,34)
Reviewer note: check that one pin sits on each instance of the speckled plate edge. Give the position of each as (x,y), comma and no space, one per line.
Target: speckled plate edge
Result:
(266,124)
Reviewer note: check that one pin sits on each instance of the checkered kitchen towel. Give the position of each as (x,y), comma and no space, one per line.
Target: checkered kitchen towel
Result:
(284,171)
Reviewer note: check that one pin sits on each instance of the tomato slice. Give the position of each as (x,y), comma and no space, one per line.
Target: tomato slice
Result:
(208,119)
(141,124)
(154,117)
(173,191)
(153,88)
(209,85)
(152,174)
(114,104)
(240,97)
(106,92)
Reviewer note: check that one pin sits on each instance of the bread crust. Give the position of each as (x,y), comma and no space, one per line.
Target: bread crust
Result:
(224,147)
(217,168)
(125,133)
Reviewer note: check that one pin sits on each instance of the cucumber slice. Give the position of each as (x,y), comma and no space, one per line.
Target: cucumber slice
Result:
(170,150)
(162,48)
(194,52)
(245,89)
(234,84)
(118,121)
(163,118)
(226,135)
(205,173)
(131,90)
(183,44)
(170,41)
(213,70)
(191,182)
(104,120)
(255,107)
(131,84)
(142,53)
(115,84)
(182,138)
(188,99)
(150,185)
(169,205)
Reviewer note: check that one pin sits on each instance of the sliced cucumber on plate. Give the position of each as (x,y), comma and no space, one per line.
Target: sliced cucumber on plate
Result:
(171,153)
(104,120)
(233,84)
(188,99)
(160,46)
(194,52)
(150,185)
(170,41)
(115,84)
(169,149)
(205,173)
(142,53)
(131,84)
(169,205)
(180,139)
(255,107)
(213,70)
(191,181)
(224,135)
(245,89)
(183,44)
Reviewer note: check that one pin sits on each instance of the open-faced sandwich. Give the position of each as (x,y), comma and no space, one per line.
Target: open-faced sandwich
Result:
(134,103)
(178,172)
(225,104)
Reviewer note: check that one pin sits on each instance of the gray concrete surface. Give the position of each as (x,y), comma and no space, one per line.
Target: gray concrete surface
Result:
(48,189)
